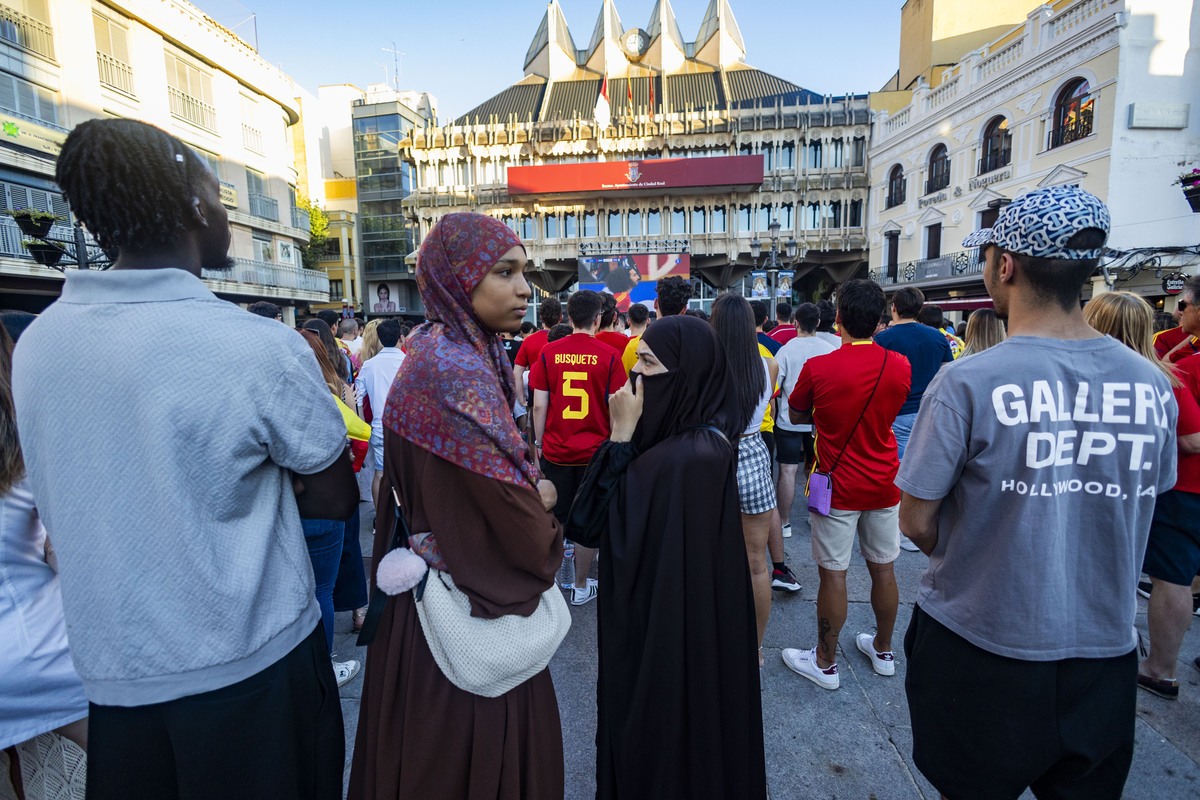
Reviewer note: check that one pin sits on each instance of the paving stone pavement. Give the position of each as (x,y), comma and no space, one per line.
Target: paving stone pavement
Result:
(851,743)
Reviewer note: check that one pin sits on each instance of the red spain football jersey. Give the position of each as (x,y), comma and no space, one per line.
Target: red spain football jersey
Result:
(531,345)
(617,341)
(580,373)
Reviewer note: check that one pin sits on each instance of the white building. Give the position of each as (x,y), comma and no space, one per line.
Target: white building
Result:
(164,62)
(1097,93)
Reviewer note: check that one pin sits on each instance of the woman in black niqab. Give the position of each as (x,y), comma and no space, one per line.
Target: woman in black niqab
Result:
(678,692)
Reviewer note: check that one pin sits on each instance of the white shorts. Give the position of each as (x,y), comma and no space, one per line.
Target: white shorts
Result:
(377,449)
(833,536)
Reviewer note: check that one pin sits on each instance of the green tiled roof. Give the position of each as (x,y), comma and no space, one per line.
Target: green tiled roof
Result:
(750,86)
(521,100)
(695,91)
(569,99)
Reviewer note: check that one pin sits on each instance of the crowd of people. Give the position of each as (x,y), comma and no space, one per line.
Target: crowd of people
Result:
(172,566)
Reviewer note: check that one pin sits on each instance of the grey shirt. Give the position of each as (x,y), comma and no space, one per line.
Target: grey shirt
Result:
(160,425)
(1048,454)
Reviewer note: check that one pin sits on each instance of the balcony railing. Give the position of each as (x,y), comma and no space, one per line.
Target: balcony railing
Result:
(951,265)
(300,218)
(26,32)
(995,160)
(1065,134)
(114,73)
(192,110)
(264,206)
(897,193)
(252,139)
(264,273)
(937,182)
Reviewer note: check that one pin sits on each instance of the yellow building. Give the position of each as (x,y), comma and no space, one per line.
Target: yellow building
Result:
(1067,95)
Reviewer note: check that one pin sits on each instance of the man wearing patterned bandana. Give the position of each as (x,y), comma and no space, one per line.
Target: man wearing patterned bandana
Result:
(1030,481)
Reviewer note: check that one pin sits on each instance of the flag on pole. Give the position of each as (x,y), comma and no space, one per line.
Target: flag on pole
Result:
(603,112)
(629,93)
(651,97)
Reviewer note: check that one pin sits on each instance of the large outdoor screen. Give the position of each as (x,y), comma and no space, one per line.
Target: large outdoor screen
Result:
(631,278)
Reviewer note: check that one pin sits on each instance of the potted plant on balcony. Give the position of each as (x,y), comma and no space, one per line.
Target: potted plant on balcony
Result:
(45,253)
(33,223)
(1190,181)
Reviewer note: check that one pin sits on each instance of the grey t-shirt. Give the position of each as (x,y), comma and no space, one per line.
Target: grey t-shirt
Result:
(791,358)
(1049,455)
(160,425)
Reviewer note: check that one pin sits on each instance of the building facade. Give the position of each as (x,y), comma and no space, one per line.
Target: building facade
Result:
(668,100)
(1094,93)
(66,61)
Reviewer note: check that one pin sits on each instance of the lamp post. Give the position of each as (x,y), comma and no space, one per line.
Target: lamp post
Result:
(773,264)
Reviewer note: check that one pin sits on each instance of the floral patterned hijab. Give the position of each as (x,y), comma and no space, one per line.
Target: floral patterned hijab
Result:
(454,393)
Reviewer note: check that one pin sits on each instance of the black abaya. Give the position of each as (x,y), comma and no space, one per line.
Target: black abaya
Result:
(680,714)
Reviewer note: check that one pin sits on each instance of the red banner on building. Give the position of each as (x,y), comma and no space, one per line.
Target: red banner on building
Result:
(652,176)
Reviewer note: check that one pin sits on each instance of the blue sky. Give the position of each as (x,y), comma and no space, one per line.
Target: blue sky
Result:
(464,51)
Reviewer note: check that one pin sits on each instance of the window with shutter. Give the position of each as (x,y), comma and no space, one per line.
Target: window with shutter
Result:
(22,98)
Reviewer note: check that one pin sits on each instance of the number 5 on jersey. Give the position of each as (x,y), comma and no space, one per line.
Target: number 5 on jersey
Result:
(569,389)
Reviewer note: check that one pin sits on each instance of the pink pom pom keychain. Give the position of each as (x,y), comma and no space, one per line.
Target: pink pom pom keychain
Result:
(400,570)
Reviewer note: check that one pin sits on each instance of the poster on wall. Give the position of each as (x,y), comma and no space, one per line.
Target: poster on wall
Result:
(758,285)
(381,297)
(632,278)
(784,287)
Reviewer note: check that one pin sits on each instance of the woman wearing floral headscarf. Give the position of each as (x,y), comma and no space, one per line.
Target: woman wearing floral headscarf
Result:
(454,455)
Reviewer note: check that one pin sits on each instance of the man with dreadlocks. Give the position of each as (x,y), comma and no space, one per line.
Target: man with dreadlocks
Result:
(175,506)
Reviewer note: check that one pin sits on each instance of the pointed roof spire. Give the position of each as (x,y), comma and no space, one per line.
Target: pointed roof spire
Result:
(662,21)
(552,33)
(718,18)
(608,26)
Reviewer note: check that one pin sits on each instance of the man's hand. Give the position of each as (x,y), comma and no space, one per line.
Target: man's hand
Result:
(919,521)
(625,408)
(549,494)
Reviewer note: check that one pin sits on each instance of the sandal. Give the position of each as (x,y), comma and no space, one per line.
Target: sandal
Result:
(1163,687)
(360,616)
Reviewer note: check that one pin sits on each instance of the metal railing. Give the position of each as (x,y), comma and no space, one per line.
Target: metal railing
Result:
(264,206)
(897,194)
(995,160)
(252,139)
(938,182)
(264,273)
(114,73)
(27,32)
(192,110)
(951,265)
(301,218)
(1065,134)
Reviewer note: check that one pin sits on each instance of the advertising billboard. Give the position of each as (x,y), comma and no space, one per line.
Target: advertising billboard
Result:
(382,298)
(631,278)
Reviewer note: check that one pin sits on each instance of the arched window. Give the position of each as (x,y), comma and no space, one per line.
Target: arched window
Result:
(939,170)
(997,146)
(1072,113)
(896,186)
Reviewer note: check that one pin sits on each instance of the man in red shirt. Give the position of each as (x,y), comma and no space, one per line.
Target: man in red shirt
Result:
(1176,343)
(572,380)
(785,331)
(549,314)
(608,333)
(1173,550)
(851,397)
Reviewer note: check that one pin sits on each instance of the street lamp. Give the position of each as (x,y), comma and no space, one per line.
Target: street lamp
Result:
(773,264)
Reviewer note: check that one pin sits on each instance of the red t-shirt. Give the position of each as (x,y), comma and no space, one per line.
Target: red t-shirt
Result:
(783,333)
(835,387)
(580,373)
(1187,473)
(531,345)
(1165,341)
(617,341)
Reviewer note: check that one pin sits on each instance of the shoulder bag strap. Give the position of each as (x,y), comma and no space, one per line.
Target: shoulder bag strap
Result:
(378,597)
(861,414)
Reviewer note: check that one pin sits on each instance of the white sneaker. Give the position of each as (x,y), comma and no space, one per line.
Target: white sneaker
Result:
(906,544)
(787,531)
(804,662)
(345,671)
(585,595)
(884,663)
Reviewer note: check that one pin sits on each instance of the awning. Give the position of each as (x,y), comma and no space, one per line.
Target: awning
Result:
(961,303)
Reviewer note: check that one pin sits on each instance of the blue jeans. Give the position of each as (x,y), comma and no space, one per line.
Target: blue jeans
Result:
(902,428)
(324,540)
(350,589)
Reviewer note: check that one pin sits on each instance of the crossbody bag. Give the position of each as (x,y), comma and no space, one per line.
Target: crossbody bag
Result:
(820,484)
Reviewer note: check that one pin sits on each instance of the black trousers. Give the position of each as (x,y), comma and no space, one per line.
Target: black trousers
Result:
(986,727)
(276,735)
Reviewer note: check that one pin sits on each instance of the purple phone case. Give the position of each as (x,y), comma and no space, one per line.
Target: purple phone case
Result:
(820,493)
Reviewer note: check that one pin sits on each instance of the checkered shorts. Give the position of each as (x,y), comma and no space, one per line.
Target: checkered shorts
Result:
(756,488)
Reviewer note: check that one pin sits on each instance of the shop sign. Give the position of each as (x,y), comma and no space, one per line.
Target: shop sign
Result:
(27,134)
(229,197)
(988,180)
(1173,284)
(719,173)
(928,201)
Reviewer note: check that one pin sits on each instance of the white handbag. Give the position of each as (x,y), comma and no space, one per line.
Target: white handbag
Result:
(488,657)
